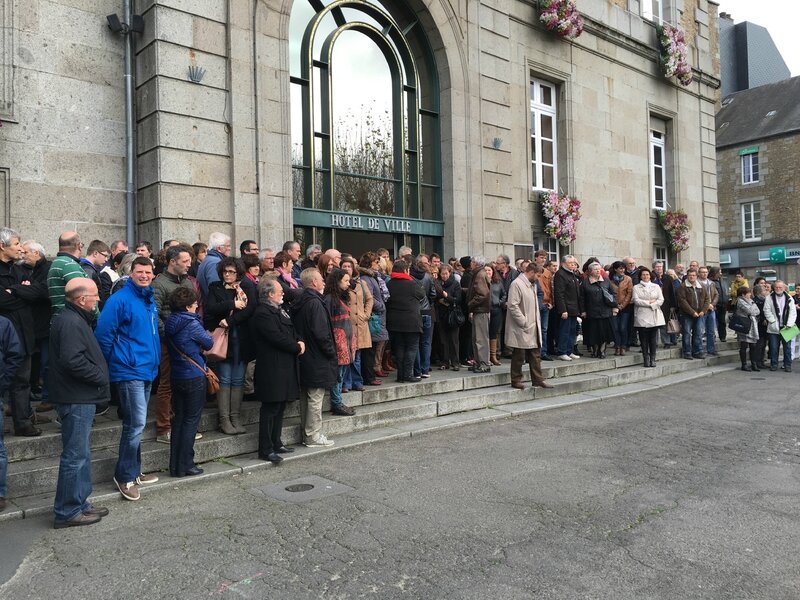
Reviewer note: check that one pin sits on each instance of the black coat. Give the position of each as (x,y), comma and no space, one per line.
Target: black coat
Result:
(593,302)
(277,365)
(403,313)
(11,355)
(77,371)
(38,296)
(14,306)
(219,304)
(567,296)
(312,322)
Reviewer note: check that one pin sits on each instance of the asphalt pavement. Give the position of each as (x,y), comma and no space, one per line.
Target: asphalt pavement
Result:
(687,492)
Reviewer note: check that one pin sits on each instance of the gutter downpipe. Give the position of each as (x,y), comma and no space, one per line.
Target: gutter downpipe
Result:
(130,145)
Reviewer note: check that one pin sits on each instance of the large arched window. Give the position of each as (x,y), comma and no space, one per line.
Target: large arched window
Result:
(365,110)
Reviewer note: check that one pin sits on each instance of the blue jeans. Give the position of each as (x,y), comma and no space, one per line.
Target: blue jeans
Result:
(133,397)
(231,372)
(544,317)
(567,333)
(692,332)
(352,379)
(75,469)
(622,328)
(710,327)
(422,363)
(3,454)
(775,342)
(336,390)
(188,398)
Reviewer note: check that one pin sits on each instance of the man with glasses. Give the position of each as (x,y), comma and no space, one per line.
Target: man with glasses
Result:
(93,262)
(79,381)
(127,332)
(66,266)
(248,247)
(219,246)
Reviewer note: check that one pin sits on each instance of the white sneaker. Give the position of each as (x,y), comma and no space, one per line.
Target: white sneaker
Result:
(198,436)
(565,357)
(574,356)
(320,442)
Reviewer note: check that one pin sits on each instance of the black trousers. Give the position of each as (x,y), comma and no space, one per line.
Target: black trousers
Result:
(449,341)
(270,425)
(648,338)
(404,347)
(19,395)
(368,364)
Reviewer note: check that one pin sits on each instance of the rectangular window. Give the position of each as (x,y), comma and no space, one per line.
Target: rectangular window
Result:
(751,221)
(658,166)
(544,173)
(750,168)
(549,244)
(660,254)
(652,10)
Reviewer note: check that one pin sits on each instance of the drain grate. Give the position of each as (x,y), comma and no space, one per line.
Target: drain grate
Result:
(302,490)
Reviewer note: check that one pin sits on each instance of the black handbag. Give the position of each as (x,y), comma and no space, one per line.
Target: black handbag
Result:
(455,317)
(739,323)
(608,297)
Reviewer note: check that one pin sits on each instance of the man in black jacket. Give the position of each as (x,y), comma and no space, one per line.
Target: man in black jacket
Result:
(568,302)
(16,309)
(36,266)
(11,356)
(78,379)
(318,364)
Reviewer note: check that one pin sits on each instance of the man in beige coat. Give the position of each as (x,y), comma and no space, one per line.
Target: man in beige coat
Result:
(524,328)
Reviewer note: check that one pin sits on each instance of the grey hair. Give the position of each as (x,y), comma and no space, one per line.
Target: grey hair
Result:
(265,286)
(593,265)
(126,263)
(312,249)
(404,250)
(263,253)
(35,246)
(479,260)
(217,239)
(566,258)
(658,262)
(7,235)
(505,258)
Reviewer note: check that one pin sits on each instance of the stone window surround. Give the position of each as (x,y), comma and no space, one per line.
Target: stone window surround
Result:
(658,165)
(664,120)
(539,110)
(749,209)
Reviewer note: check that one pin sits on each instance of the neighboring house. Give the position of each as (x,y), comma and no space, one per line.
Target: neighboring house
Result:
(429,123)
(758,173)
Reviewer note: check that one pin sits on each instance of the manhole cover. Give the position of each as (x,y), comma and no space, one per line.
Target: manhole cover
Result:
(299,487)
(302,490)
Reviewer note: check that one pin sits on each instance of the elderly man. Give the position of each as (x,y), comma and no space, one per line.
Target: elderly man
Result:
(693,301)
(36,266)
(404,251)
(779,311)
(267,261)
(479,305)
(79,381)
(319,370)
(11,357)
(523,330)
(128,336)
(65,266)
(292,249)
(568,302)
(219,246)
(335,255)
(15,306)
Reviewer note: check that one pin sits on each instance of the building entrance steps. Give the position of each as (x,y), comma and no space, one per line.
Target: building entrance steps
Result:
(392,410)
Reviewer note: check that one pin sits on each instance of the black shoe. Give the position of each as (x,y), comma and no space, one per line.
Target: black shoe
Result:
(746,368)
(547,357)
(485,369)
(699,356)
(344,410)
(688,356)
(274,458)
(413,380)
(284,450)
(788,369)
(195,470)
(754,366)
(31,431)
(712,354)
(80,520)
(773,368)
(100,511)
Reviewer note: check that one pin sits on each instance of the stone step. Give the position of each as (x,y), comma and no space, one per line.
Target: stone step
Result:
(38,475)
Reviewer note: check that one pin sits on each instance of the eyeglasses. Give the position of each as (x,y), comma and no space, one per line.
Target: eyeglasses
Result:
(230,272)
(105,254)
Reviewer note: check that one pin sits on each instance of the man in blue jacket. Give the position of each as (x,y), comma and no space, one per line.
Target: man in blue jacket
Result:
(127,332)
(78,378)
(11,357)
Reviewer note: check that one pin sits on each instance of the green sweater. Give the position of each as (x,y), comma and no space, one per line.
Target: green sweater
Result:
(64,268)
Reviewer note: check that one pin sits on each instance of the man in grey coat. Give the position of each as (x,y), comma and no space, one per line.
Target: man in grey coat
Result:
(523,328)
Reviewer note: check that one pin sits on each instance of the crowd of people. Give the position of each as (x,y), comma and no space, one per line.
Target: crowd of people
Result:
(100,325)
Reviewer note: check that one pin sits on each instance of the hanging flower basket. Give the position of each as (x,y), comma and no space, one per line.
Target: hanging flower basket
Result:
(561,17)
(676,224)
(673,53)
(562,213)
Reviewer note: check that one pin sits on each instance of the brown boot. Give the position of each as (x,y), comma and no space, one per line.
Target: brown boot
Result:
(493,352)
(224,401)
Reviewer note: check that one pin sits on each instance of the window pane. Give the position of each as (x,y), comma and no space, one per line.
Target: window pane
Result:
(428,203)
(547,152)
(547,95)
(298,187)
(659,177)
(430,133)
(534,176)
(658,155)
(533,149)
(547,127)
(412,204)
(547,178)
(355,194)
(297,123)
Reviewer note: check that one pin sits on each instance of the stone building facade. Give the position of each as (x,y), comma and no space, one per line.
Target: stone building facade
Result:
(758,153)
(486,107)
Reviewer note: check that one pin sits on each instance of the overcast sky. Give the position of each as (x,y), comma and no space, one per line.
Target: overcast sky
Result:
(780,17)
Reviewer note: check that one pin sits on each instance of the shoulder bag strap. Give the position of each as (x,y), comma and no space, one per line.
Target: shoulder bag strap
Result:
(184,355)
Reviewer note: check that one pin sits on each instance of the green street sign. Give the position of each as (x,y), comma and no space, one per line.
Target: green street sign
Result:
(777,255)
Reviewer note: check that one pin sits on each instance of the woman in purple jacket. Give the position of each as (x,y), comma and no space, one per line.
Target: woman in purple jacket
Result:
(186,340)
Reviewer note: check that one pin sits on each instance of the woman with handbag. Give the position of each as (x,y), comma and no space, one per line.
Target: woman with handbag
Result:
(449,312)
(229,305)
(186,340)
(362,371)
(600,305)
(747,308)
(760,293)
(336,296)
(276,375)
(648,318)
(370,275)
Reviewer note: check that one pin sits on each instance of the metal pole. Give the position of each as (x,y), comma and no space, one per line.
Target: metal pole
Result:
(130,146)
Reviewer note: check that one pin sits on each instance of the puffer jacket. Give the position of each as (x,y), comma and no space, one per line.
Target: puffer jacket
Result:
(185,335)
